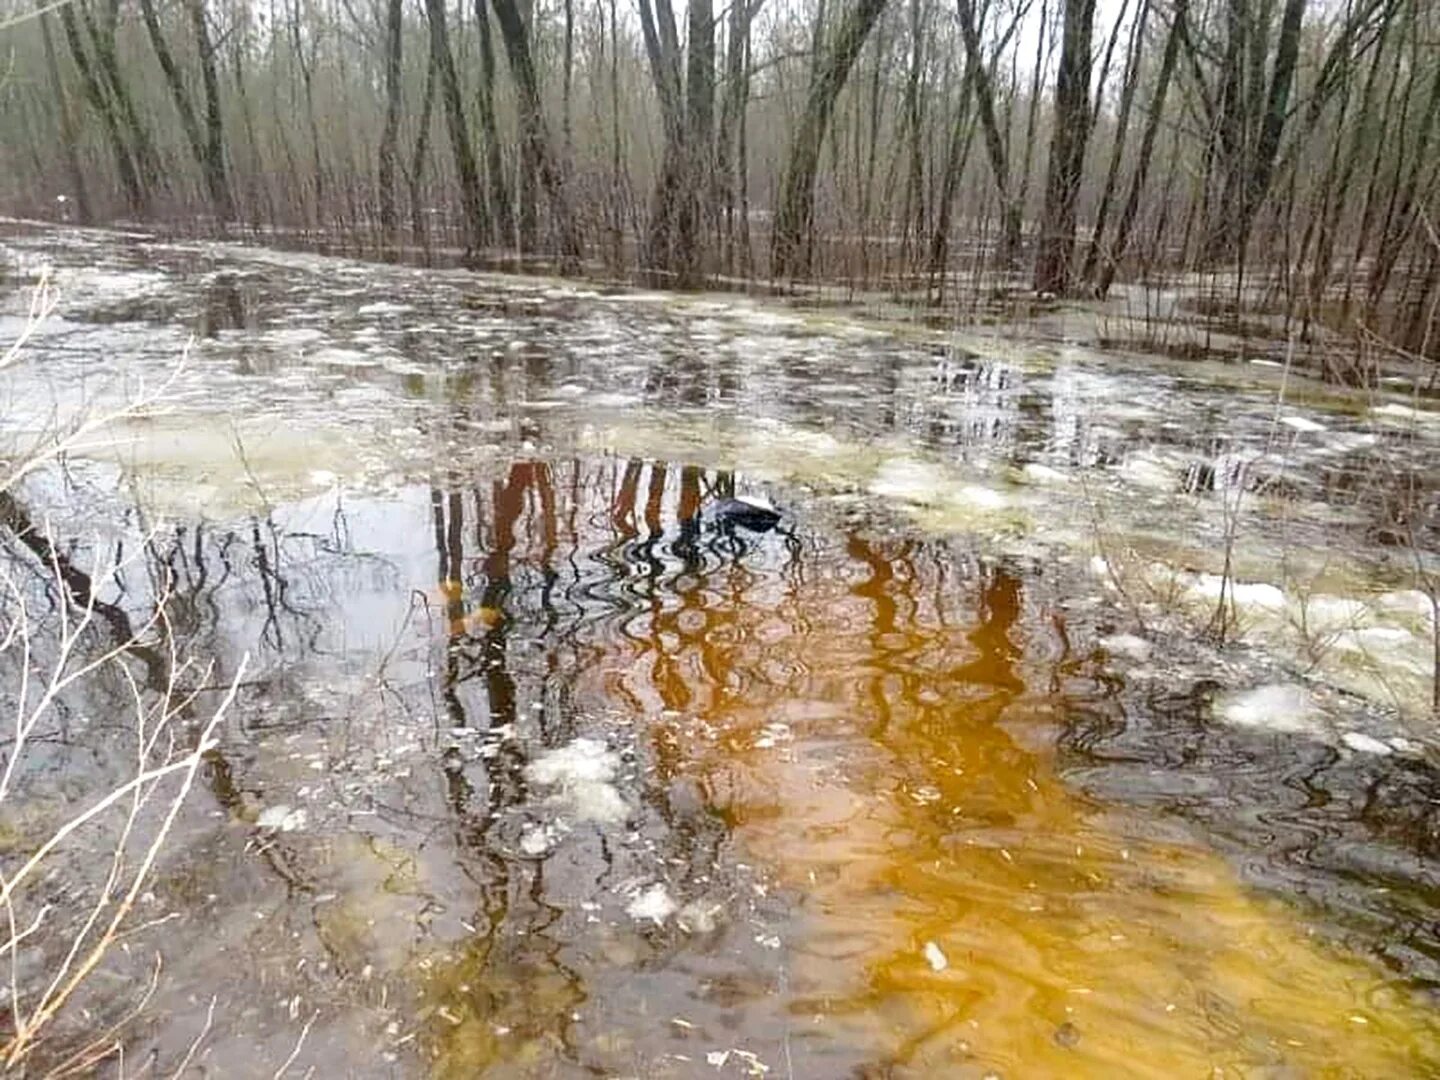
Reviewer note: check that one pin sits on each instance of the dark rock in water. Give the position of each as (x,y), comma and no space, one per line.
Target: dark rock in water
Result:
(750,513)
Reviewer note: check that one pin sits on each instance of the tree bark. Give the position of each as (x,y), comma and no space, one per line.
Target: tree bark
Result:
(415,178)
(217,176)
(497,182)
(962,132)
(137,193)
(1117,153)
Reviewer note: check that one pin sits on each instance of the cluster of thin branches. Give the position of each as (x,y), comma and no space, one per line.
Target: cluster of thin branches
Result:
(62,908)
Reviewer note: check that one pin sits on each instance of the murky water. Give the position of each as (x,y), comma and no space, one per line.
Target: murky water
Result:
(545,768)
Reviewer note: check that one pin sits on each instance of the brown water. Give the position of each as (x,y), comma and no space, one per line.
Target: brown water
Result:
(596,784)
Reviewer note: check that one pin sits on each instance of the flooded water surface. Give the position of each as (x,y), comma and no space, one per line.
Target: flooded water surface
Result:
(1070,718)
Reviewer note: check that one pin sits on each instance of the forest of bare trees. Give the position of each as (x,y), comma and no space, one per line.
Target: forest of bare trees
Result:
(1285,151)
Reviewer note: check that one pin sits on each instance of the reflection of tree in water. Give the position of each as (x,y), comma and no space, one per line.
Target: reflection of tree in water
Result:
(544,577)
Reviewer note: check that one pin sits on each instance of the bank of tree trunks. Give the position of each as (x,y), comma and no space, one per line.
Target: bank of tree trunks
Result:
(950,153)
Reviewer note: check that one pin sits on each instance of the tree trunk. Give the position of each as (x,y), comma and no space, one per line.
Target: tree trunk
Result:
(729,161)
(533,130)
(137,194)
(1122,129)
(217,177)
(983,86)
(415,178)
(1249,133)
(477,222)
(662,46)
(142,152)
(961,133)
(913,218)
(699,133)
(1400,220)
(791,246)
(390,135)
(84,215)
(1116,251)
(1067,151)
(566,127)
(499,184)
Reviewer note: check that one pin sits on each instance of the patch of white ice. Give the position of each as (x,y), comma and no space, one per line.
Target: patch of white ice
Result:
(583,771)
(281,818)
(1128,646)
(1365,744)
(654,904)
(384,307)
(1280,707)
(937,959)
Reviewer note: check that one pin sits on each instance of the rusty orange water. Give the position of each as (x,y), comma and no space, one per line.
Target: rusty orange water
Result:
(874,724)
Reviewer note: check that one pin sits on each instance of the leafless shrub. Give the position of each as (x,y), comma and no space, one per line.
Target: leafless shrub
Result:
(78,848)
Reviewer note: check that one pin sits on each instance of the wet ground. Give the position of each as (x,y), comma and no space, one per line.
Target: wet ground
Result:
(1072,721)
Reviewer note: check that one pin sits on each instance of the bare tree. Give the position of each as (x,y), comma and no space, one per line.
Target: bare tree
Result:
(791,245)
(1056,248)
(390,137)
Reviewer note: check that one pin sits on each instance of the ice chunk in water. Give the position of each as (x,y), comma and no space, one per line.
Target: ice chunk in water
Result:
(383,307)
(1127,645)
(935,957)
(578,761)
(583,770)
(281,818)
(654,903)
(1282,707)
(1365,744)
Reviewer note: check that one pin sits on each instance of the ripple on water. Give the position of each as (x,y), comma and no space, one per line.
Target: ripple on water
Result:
(592,782)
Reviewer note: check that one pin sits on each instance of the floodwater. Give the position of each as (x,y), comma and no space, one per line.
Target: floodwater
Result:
(543,767)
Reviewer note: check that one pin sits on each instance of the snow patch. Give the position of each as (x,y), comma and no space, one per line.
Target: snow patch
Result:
(908,480)
(1146,472)
(1036,473)
(344,358)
